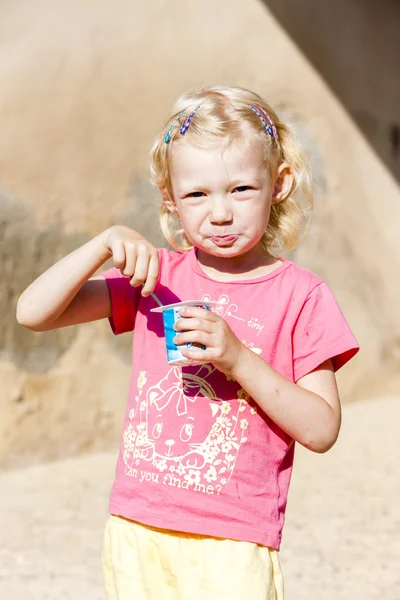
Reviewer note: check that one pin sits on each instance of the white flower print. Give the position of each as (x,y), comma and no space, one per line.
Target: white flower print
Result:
(142,380)
(141,438)
(131,413)
(210,453)
(143,405)
(220,438)
(193,477)
(225,407)
(253,411)
(129,438)
(244,424)
(225,422)
(221,423)
(229,457)
(226,446)
(211,474)
(223,481)
(161,465)
(141,434)
(180,469)
(172,468)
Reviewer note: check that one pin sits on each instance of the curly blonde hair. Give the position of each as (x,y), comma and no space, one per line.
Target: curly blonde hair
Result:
(226,114)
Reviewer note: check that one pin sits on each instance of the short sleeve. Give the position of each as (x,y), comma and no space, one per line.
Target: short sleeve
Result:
(124,301)
(321,332)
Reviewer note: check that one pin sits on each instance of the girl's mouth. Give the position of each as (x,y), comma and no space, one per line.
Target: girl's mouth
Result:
(224,240)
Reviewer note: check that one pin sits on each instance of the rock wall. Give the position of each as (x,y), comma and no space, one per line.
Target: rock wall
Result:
(354,45)
(84,87)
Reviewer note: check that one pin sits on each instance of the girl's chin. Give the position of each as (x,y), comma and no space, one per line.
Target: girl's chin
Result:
(220,250)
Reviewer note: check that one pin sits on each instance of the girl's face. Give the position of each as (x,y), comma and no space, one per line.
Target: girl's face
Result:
(223,196)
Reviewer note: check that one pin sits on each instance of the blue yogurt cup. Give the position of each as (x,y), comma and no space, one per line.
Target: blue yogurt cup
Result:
(171,315)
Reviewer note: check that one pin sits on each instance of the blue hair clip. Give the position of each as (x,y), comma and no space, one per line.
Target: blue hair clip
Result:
(167,138)
(186,122)
(266,121)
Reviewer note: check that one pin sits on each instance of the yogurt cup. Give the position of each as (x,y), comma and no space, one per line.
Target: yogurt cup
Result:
(170,313)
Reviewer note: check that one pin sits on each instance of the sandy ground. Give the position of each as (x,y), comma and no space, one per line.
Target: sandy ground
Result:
(341,539)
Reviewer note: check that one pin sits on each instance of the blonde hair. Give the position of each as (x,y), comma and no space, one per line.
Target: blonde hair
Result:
(225,113)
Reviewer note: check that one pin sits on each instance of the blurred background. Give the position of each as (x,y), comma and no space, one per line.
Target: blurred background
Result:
(84,88)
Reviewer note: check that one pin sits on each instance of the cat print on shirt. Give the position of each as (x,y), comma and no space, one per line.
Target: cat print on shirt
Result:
(168,434)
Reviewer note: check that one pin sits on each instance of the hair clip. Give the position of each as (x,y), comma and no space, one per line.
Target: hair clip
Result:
(266,120)
(186,122)
(167,138)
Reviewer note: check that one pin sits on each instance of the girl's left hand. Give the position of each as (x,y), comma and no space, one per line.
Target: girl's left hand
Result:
(205,327)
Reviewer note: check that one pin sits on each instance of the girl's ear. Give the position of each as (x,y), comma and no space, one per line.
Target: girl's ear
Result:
(169,203)
(283,183)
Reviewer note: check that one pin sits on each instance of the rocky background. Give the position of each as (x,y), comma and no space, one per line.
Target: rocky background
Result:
(84,88)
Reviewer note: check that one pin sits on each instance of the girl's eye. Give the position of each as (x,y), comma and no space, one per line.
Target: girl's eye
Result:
(186,432)
(242,188)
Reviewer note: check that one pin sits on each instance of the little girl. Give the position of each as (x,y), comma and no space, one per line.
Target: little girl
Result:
(198,503)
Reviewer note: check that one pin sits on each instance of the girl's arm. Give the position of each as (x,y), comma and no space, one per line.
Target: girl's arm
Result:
(309,410)
(66,295)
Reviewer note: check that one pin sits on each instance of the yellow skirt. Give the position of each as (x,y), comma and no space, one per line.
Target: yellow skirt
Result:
(146,563)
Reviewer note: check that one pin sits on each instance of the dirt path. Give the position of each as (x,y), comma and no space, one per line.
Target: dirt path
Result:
(341,540)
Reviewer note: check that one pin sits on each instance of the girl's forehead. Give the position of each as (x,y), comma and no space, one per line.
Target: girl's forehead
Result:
(238,155)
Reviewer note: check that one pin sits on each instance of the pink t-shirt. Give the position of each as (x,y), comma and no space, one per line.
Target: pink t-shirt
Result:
(197,454)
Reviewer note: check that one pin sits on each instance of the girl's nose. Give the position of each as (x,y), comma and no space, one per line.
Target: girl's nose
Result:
(220,211)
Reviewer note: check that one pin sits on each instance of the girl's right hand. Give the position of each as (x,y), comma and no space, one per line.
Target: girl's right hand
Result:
(134,256)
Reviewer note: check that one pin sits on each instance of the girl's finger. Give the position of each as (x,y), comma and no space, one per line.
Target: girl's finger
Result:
(193,337)
(194,323)
(152,275)
(199,357)
(118,254)
(142,266)
(130,260)
(203,313)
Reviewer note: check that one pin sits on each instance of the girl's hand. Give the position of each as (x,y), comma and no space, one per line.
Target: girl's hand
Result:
(134,256)
(223,348)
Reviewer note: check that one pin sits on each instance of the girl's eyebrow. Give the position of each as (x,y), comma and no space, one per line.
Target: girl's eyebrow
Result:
(247,180)
(195,187)
(190,186)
